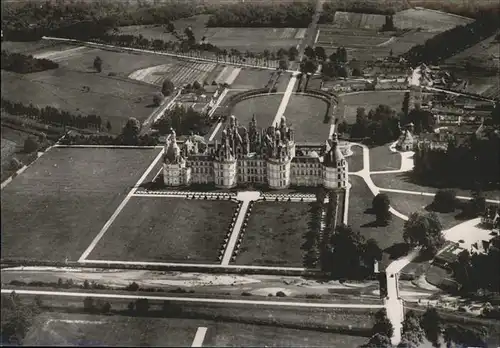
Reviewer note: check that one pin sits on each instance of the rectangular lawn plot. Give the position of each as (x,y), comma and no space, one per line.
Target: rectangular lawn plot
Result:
(306,115)
(382,158)
(360,200)
(355,161)
(275,234)
(160,229)
(113,98)
(245,335)
(60,329)
(55,208)
(348,103)
(251,79)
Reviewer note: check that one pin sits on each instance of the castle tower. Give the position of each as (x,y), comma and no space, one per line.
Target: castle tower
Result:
(280,150)
(225,163)
(334,166)
(175,172)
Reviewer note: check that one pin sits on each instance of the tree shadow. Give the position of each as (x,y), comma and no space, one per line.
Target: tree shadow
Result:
(397,250)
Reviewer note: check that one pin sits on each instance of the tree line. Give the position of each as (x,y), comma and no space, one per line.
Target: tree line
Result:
(52,115)
(184,120)
(455,40)
(473,161)
(23,64)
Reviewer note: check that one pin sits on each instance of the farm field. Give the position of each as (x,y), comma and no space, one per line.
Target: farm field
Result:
(113,98)
(360,199)
(62,329)
(32,47)
(64,198)
(428,20)
(275,234)
(382,158)
(348,103)
(162,229)
(306,115)
(403,181)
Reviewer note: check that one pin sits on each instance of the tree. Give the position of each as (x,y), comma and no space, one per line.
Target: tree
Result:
(108,126)
(167,87)
(431,324)
(106,307)
(157,99)
(406,105)
(356,67)
(476,206)
(445,201)
(283,64)
(292,53)
(309,52)
(131,131)
(389,24)
(412,331)
(328,71)
(378,341)
(382,324)
(196,85)
(30,145)
(380,206)
(424,230)
(98,64)
(142,306)
(88,304)
(320,53)
(462,268)
(372,252)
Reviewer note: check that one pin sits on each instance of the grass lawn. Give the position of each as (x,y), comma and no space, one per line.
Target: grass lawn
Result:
(113,98)
(360,199)
(355,161)
(403,181)
(306,115)
(381,158)
(30,47)
(275,234)
(166,229)
(250,78)
(264,108)
(57,206)
(142,331)
(348,103)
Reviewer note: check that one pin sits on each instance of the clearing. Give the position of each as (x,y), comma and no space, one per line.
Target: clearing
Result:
(113,98)
(55,208)
(162,229)
(306,115)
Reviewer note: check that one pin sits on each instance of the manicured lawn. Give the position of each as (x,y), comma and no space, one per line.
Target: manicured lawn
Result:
(381,158)
(113,98)
(360,199)
(165,229)
(408,204)
(348,103)
(355,161)
(55,208)
(403,181)
(275,234)
(306,115)
(250,78)
(264,108)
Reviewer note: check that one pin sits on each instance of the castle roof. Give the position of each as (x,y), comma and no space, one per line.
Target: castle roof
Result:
(333,155)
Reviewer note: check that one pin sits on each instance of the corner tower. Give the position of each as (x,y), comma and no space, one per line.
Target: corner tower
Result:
(334,166)
(280,149)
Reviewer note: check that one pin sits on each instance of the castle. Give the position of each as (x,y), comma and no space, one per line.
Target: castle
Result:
(252,156)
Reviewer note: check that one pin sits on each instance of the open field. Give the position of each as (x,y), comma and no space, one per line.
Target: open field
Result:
(112,98)
(355,161)
(428,20)
(121,330)
(306,115)
(403,181)
(275,234)
(485,54)
(252,78)
(348,103)
(382,158)
(55,208)
(360,199)
(331,36)
(166,229)
(32,47)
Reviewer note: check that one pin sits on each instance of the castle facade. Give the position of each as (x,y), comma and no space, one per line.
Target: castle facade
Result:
(252,156)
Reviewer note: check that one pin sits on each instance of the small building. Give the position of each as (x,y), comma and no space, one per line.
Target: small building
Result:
(406,141)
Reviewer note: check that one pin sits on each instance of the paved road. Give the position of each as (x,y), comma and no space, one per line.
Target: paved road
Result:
(156,114)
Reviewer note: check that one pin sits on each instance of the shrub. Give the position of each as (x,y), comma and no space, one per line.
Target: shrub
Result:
(88,304)
(280,294)
(30,145)
(445,201)
(167,87)
(132,287)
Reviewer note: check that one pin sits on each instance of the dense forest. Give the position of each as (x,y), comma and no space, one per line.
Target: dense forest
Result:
(295,15)
(455,40)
